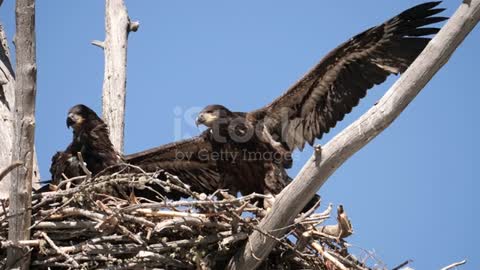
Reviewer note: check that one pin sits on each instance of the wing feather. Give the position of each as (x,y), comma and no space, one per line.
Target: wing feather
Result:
(314,105)
(188,159)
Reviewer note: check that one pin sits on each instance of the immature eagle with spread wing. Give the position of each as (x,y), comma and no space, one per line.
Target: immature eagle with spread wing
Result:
(90,139)
(248,152)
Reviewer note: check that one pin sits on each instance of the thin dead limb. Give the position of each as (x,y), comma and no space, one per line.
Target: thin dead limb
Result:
(453,265)
(59,251)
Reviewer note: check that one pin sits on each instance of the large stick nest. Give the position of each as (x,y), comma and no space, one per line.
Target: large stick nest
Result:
(96,224)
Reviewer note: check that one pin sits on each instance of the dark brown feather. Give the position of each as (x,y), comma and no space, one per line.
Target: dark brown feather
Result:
(207,165)
(334,86)
(92,141)
(188,159)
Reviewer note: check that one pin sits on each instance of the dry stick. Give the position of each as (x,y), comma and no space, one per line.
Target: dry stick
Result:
(163,260)
(151,213)
(50,213)
(22,243)
(316,171)
(82,246)
(175,223)
(62,225)
(346,261)
(193,203)
(326,255)
(453,265)
(400,266)
(139,220)
(130,235)
(59,251)
(87,172)
(23,147)
(98,183)
(72,211)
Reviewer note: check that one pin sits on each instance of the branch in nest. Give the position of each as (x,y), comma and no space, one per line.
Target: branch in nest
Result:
(55,247)
(87,172)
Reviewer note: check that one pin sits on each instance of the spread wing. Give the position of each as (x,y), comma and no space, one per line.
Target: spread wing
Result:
(189,159)
(334,86)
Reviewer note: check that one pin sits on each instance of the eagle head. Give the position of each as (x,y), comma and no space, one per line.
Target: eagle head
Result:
(78,115)
(212,115)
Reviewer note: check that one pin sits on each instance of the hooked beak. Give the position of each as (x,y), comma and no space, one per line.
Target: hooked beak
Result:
(200,120)
(70,120)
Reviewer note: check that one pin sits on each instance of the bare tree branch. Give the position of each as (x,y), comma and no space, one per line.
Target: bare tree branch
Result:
(117,27)
(23,149)
(317,170)
(453,265)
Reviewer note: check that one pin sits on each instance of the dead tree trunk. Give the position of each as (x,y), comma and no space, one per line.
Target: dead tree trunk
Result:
(25,92)
(317,170)
(7,101)
(117,27)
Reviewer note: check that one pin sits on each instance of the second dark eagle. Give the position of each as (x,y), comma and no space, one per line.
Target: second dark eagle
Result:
(249,151)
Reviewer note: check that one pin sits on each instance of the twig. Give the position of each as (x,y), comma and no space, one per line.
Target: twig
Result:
(54,246)
(327,255)
(62,225)
(402,265)
(53,211)
(152,213)
(98,43)
(21,243)
(87,172)
(453,265)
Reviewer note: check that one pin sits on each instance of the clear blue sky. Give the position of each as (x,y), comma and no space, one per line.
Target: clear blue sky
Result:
(411,193)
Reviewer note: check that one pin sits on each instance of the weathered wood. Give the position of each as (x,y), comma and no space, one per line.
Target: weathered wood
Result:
(317,170)
(117,27)
(10,168)
(199,234)
(23,148)
(7,101)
